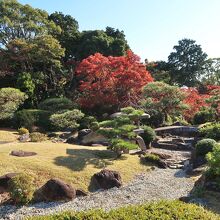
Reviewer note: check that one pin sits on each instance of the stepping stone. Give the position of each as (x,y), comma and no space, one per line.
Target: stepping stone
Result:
(21,153)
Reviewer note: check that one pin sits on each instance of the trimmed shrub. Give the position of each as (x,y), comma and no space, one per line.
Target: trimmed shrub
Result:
(56,104)
(163,210)
(21,188)
(213,159)
(89,122)
(22,131)
(211,131)
(29,118)
(149,135)
(152,158)
(204,116)
(10,100)
(120,130)
(66,120)
(205,146)
(37,137)
(119,145)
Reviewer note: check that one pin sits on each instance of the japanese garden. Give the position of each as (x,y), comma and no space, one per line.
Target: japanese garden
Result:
(88,130)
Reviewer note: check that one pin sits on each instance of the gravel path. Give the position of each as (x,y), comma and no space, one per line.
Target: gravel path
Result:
(154,185)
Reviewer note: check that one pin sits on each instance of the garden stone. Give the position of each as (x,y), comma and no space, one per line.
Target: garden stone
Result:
(4,180)
(199,201)
(81,192)
(21,153)
(55,190)
(52,135)
(116,115)
(141,143)
(24,138)
(65,135)
(107,179)
(93,138)
(162,164)
(197,171)
(83,132)
(72,140)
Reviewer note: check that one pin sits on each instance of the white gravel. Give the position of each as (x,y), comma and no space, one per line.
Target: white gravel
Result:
(154,185)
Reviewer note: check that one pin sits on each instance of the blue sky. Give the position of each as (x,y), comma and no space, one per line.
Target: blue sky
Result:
(152,27)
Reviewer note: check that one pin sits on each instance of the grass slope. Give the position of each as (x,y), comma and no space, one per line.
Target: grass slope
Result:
(74,164)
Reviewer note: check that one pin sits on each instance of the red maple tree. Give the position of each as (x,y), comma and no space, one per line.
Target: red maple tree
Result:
(195,101)
(111,81)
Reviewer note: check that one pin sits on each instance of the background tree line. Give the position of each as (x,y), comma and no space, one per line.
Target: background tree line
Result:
(46,56)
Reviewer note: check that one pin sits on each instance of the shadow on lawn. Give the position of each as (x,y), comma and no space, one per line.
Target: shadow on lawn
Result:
(78,159)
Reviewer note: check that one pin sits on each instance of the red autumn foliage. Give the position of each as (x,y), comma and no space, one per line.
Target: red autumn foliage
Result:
(214,100)
(211,88)
(195,101)
(111,81)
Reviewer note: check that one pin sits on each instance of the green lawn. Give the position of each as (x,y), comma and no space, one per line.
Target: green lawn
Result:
(72,163)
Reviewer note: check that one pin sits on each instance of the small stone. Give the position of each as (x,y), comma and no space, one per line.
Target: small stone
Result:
(81,192)
(24,138)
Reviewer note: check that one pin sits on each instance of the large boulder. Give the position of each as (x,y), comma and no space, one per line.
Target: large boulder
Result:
(83,133)
(4,180)
(72,140)
(94,138)
(107,179)
(55,190)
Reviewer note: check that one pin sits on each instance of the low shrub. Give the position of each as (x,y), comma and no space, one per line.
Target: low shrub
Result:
(56,104)
(29,118)
(66,120)
(211,131)
(204,116)
(152,158)
(149,135)
(37,137)
(89,122)
(21,188)
(205,146)
(213,159)
(163,210)
(120,145)
(22,131)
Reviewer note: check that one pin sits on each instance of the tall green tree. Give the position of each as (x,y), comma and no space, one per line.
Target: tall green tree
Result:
(212,72)
(27,46)
(69,35)
(187,63)
(109,43)
(159,70)
(19,21)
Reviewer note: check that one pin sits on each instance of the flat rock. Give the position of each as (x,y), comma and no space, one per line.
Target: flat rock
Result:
(21,153)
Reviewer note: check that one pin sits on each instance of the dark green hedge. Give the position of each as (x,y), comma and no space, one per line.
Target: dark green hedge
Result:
(28,118)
